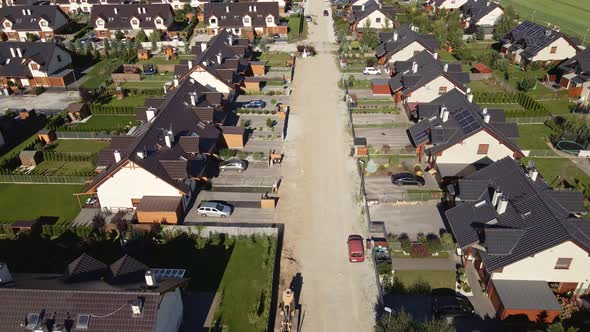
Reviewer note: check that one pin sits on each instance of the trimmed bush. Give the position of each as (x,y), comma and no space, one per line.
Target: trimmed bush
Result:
(419,250)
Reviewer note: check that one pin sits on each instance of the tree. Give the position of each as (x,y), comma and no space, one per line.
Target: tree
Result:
(527,84)
(119,35)
(370,38)
(506,23)
(98,222)
(402,321)
(558,327)
(156,36)
(107,45)
(141,37)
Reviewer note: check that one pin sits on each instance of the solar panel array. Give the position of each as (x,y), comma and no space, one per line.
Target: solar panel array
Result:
(438,135)
(168,273)
(467,122)
(535,36)
(421,137)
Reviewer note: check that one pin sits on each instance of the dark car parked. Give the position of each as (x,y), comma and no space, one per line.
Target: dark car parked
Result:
(451,307)
(255,104)
(407,179)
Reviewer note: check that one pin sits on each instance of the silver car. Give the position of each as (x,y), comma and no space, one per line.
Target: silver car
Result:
(234,164)
(214,209)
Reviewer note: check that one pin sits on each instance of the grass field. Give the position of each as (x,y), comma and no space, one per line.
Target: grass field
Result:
(436,279)
(29,201)
(570,15)
(551,168)
(134,101)
(56,168)
(103,122)
(532,136)
(101,72)
(79,145)
(246,286)
(485,85)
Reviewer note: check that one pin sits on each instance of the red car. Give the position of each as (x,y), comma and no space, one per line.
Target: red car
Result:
(326,12)
(356,251)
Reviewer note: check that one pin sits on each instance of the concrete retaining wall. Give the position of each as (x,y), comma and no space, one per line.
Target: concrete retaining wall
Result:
(207,231)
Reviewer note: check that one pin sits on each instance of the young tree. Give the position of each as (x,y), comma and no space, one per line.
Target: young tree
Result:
(141,37)
(119,35)
(506,23)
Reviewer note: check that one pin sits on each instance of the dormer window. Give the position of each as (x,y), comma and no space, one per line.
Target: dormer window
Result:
(270,19)
(159,21)
(34,66)
(134,22)
(246,20)
(213,20)
(99,22)
(7,24)
(43,24)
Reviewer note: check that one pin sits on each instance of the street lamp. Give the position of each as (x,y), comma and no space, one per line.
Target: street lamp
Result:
(388,310)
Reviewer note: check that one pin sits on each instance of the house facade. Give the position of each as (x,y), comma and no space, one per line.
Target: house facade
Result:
(457,136)
(32,64)
(404,43)
(373,15)
(530,42)
(245,19)
(574,75)
(18,23)
(480,15)
(449,5)
(508,222)
(422,78)
(130,18)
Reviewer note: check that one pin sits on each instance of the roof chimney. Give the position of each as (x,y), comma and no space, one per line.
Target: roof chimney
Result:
(169,138)
(486,118)
(254,8)
(395,36)
(143,10)
(533,174)
(150,279)
(502,205)
(488,4)
(446,67)
(190,64)
(117,155)
(230,39)
(435,55)
(28,12)
(193,100)
(496,196)
(12,52)
(116,11)
(24,12)
(150,113)
(444,114)
(250,8)
(203,47)
(470,97)
(414,67)
(363,7)
(219,58)
(175,82)
(139,10)
(18,51)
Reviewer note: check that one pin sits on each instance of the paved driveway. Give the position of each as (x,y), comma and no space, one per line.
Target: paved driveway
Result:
(410,219)
(243,99)
(240,214)
(58,101)
(252,177)
(396,138)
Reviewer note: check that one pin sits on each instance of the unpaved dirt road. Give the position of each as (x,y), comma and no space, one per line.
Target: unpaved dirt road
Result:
(318,205)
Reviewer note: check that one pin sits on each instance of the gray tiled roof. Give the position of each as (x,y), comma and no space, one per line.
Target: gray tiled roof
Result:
(371,6)
(526,295)
(477,9)
(40,53)
(405,37)
(531,38)
(429,68)
(579,64)
(119,16)
(26,22)
(541,223)
(446,134)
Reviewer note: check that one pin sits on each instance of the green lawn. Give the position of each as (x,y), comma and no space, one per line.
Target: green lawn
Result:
(570,15)
(144,85)
(277,59)
(246,286)
(446,56)
(479,48)
(101,72)
(490,85)
(294,27)
(551,168)
(559,106)
(102,122)
(79,145)
(436,279)
(134,101)
(53,168)
(161,60)
(29,201)
(532,136)
(505,107)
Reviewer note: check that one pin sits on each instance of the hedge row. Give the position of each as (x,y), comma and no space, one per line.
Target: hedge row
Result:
(112,110)
(69,156)
(524,100)
(139,92)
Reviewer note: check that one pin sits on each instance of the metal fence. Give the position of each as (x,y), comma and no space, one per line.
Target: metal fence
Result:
(22,178)
(402,196)
(82,135)
(541,154)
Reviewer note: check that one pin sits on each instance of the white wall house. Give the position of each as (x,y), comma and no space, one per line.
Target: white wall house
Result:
(408,52)
(432,90)
(474,148)
(375,20)
(451,4)
(491,18)
(204,77)
(131,183)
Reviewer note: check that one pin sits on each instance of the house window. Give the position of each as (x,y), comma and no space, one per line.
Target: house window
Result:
(563,263)
(134,22)
(7,24)
(43,24)
(34,66)
(378,20)
(553,50)
(269,19)
(483,149)
(442,90)
(246,20)
(159,21)
(213,20)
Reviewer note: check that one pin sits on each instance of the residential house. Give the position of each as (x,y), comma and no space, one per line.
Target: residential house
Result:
(371,14)
(448,5)
(422,78)
(130,18)
(480,15)
(574,75)
(85,6)
(459,136)
(20,22)
(247,19)
(404,43)
(220,64)
(166,155)
(31,64)
(530,42)
(283,4)
(524,239)
(92,296)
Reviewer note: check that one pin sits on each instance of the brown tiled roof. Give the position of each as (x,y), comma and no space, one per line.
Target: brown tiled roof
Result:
(232,130)
(189,144)
(85,267)
(176,169)
(159,203)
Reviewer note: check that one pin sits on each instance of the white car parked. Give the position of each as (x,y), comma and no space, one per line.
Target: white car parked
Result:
(214,209)
(372,71)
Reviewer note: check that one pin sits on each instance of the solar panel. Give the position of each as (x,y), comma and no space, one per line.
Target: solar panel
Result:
(467,122)
(438,135)
(168,273)
(421,137)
